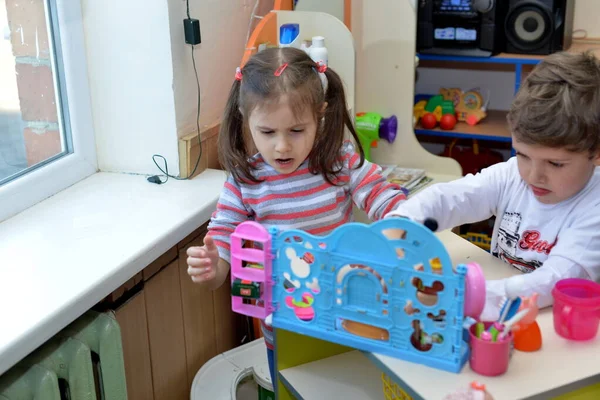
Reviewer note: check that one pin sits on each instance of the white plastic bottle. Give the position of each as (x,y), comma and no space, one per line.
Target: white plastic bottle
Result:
(318,51)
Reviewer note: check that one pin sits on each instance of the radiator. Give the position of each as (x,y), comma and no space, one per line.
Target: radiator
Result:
(82,362)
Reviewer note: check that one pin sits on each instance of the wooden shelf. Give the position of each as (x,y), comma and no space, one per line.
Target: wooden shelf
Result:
(509,58)
(494,127)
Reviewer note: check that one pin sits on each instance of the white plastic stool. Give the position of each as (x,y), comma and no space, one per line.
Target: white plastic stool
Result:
(220,376)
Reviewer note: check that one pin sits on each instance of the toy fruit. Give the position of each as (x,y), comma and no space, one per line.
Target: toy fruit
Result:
(428,121)
(448,122)
(419,109)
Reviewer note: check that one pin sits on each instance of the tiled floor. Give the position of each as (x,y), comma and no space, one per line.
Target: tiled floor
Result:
(12,148)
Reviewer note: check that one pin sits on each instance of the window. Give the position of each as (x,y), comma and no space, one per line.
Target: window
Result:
(46,134)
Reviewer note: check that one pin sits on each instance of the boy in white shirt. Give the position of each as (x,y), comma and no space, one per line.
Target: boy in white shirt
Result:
(546,199)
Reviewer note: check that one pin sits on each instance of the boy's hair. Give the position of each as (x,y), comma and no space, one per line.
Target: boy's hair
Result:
(301,84)
(558,104)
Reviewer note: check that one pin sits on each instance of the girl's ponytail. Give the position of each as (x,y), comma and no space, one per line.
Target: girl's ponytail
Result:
(233,154)
(336,120)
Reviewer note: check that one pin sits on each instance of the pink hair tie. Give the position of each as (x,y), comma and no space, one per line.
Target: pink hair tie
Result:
(321,67)
(238,74)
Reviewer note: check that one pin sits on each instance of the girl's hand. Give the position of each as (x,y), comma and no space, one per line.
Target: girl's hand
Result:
(202,261)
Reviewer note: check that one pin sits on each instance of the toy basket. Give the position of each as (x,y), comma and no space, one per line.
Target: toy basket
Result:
(478,239)
(391,390)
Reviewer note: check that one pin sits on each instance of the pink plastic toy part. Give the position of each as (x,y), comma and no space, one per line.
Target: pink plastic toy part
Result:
(530,303)
(255,232)
(474,291)
(303,309)
(476,391)
(489,358)
(576,308)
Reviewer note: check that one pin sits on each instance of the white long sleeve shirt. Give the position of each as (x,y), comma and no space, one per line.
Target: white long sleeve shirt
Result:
(549,242)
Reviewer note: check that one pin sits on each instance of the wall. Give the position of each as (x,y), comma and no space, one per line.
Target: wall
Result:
(224,27)
(128,52)
(586,17)
(333,7)
(143,88)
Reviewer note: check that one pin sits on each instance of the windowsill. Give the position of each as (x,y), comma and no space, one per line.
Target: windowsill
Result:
(63,255)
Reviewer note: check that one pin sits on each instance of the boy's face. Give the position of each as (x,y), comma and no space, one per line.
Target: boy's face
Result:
(283,139)
(554,174)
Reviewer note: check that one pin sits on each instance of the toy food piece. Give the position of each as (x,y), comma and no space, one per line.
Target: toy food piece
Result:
(247,289)
(527,333)
(366,331)
(428,121)
(528,339)
(476,391)
(302,308)
(434,102)
(448,122)
(419,109)
(437,113)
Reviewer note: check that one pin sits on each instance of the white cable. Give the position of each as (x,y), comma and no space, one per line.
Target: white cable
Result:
(252,16)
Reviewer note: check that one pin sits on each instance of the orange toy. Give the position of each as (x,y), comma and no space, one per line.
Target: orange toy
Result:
(527,334)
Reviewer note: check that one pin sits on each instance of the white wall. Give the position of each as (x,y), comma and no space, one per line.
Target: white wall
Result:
(333,7)
(224,26)
(130,72)
(143,88)
(586,17)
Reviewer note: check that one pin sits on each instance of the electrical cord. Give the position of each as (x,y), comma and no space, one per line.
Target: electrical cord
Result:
(155,178)
(252,17)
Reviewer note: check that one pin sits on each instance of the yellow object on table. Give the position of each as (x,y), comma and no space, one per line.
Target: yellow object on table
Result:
(391,391)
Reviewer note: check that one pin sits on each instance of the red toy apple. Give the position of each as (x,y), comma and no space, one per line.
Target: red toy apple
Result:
(428,121)
(448,122)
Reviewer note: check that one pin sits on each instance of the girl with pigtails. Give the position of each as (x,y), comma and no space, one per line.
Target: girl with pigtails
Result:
(282,143)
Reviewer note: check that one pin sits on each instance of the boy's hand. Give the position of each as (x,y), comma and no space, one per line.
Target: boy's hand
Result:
(202,261)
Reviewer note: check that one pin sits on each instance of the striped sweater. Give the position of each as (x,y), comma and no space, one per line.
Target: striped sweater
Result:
(301,200)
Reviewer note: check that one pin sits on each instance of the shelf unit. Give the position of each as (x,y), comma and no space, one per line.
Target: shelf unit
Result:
(493,127)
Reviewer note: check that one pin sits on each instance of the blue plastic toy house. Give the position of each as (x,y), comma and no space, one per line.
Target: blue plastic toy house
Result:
(387,288)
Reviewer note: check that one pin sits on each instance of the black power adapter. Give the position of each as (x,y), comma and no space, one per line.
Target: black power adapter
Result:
(191,29)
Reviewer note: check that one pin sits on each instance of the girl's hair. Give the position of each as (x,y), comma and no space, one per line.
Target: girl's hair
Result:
(301,84)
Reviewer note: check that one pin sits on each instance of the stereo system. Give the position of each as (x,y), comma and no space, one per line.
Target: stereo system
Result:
(482,28)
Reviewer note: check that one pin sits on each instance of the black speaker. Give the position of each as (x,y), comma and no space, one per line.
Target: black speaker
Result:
(539,26)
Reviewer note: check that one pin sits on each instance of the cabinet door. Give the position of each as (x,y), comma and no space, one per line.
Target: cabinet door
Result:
(227,323)
(131,317)
(166,336)
(198,317)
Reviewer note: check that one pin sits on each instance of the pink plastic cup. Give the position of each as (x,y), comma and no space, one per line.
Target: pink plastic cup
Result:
(489,358)
(576,308)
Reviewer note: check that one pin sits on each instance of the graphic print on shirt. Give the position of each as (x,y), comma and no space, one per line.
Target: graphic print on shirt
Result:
(509,241)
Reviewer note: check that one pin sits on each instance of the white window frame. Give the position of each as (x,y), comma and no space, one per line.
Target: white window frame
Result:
(41,183)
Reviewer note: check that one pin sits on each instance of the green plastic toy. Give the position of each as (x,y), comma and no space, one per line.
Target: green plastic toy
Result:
(371,127)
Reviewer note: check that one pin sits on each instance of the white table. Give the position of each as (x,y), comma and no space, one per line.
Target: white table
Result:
(346,376)
(560,367)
